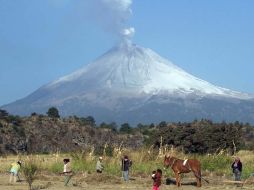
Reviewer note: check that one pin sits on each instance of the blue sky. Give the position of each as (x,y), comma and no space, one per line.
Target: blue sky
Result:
(42,40)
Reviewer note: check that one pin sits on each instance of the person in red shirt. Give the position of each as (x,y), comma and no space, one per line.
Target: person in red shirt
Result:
(156,176)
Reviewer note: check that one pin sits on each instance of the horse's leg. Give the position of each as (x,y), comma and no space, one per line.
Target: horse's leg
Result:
(198,177)
(178,180)
(196,169)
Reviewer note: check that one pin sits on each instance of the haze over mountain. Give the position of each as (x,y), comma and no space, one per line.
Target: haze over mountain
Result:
(133,84)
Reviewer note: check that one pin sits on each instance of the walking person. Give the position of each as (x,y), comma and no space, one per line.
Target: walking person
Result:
(67,171)
(14,172)
(156,176)
(237,168)
(99,166)
(126,164)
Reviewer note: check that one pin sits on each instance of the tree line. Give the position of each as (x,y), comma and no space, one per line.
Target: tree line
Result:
(204,136)
(199,136)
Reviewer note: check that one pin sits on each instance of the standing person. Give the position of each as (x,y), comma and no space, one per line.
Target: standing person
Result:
(15,167)
(67,171)
(237,168)
(157,179)
(126,164)
(99,166)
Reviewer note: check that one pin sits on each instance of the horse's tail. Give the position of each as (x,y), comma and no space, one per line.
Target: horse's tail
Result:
(205,179)
(200,176)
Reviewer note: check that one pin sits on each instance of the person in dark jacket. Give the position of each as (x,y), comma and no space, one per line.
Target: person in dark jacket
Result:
(237,169)
(126,164)
(157,179)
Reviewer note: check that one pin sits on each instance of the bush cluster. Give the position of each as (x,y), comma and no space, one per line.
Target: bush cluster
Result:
(203,136)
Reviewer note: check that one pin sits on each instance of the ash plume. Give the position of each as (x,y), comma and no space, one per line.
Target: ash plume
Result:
(113,16)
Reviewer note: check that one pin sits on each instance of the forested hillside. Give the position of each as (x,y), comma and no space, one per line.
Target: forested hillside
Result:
(50,133)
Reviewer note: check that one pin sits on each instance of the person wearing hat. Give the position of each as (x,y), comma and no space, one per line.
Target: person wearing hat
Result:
(15,167)
(99,166)
(237,168)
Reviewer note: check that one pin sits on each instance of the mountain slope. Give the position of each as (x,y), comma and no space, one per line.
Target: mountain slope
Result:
(135,69)
(134,84)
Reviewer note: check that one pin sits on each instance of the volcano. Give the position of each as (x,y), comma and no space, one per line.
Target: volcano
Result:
(133,84)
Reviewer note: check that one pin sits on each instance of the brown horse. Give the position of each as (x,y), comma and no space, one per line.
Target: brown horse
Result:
(178,166)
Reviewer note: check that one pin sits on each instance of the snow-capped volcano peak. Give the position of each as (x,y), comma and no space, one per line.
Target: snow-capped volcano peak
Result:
(128,67)
(133,84)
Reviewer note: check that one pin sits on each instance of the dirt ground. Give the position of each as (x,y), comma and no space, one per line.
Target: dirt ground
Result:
(104,182)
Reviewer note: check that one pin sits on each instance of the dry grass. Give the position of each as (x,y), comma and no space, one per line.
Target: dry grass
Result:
(144,161)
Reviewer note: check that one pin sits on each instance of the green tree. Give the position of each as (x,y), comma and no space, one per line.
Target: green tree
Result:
(3,114)
(90,121)
(34,114)
(53,112)
(112,126)
(125,128)
(162,124)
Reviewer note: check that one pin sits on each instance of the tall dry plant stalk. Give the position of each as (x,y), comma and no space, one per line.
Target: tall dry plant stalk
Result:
(91,153)
(160,154)
(150,152)
(118,150)
(104,149)
(234,147)
(30,169)
(56,155)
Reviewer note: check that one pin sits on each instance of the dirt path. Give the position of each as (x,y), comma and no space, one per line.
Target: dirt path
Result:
(51,182)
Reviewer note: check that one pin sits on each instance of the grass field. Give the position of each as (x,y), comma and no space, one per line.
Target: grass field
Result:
(215,168)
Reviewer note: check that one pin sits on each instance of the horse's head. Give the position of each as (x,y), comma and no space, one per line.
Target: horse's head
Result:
(166,161)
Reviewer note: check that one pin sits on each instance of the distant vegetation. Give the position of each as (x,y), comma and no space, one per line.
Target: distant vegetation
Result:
(53,112)
(206,137)
(73,133)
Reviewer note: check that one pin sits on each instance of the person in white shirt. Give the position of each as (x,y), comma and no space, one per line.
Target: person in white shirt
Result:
(67,171)
(99,166)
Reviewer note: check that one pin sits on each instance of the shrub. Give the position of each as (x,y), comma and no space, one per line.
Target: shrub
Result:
(221,164)
(53,112)
(29,170)
(125,128)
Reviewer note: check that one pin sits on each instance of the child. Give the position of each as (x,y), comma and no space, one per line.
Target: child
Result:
(126,164)
(156,176)
(99,166)
(67,171)
(15,167)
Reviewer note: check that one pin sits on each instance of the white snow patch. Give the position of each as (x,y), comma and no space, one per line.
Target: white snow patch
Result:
(140,70)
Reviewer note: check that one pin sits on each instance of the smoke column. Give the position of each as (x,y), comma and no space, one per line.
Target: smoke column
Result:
(113,16)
